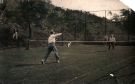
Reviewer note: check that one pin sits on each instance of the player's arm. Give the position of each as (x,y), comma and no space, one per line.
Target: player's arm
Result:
(58,34)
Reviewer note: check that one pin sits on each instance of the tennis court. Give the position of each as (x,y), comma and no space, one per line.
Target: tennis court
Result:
(79,64)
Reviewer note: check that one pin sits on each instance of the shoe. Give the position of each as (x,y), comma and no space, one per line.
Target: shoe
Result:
(42,61)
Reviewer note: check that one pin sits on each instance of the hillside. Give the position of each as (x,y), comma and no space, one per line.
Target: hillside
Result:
(35,19)
(77,25)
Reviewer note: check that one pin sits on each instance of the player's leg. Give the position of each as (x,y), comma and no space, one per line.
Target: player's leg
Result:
(109,45)
(105,43)
(49,49)
(113,45)
(56,54)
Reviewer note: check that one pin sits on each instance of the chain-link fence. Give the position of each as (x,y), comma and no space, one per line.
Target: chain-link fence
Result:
(90,27)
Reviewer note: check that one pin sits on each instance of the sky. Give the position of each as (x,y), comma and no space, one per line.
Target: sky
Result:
(95,6)
(129,3)
(90,5)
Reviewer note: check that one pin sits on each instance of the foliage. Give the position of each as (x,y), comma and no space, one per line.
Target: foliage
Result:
(39,17)
(128,20)
(124,23)
(5,35)
(31,11)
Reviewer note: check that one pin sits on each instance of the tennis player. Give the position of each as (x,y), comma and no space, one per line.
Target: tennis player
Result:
(51,47)
(112,42)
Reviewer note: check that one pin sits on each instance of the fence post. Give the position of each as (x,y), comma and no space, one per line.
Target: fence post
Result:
(85,25)
(129,12)
(105,23)
(62,37)
(75,31)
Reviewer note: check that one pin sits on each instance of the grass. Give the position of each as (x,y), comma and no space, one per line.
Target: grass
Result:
(79,64)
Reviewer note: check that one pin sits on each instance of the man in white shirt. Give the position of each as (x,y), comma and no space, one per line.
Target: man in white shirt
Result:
(52,47)
(112,41)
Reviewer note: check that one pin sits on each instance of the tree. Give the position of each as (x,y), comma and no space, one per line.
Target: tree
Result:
(128,20)
(27,13)
(32,12)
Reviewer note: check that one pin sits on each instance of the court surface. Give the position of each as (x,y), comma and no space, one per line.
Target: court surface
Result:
(79,64)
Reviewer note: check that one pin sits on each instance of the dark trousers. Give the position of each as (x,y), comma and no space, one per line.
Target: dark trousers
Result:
(111,45)
(50,48)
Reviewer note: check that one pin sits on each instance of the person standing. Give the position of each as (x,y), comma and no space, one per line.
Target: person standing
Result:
(16,37)
(106,38)
(15,34)
(51,47)
(112,42)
